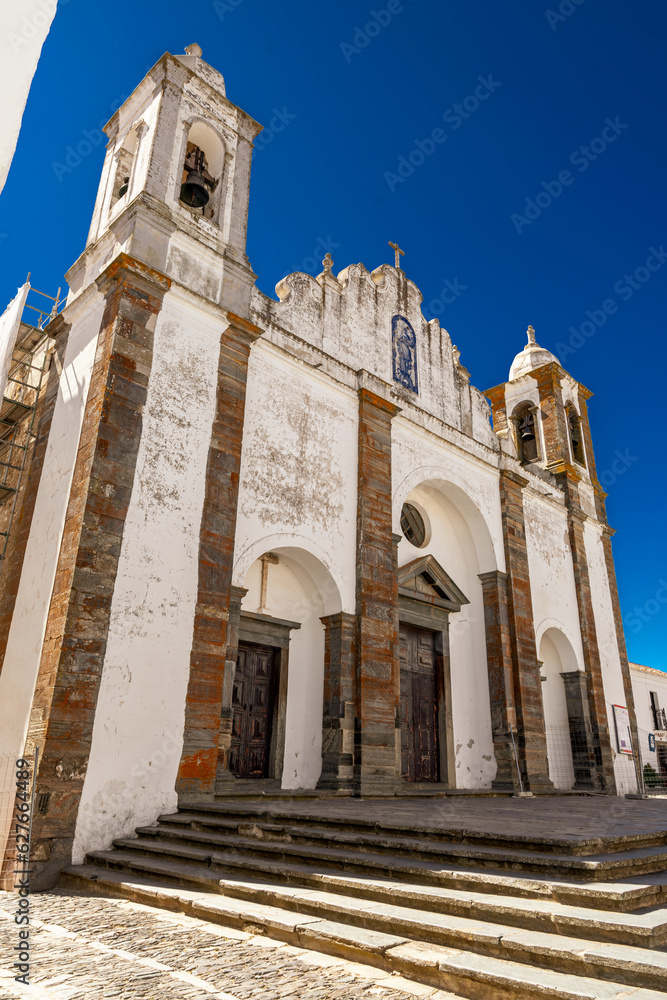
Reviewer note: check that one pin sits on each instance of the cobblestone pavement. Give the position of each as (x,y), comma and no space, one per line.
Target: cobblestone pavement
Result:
(89,947)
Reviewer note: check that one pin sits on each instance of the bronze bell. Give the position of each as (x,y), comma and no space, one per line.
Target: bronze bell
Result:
(124,186)
(527,428)
(193,191)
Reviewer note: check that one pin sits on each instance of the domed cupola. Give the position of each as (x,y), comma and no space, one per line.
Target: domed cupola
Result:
(531,357)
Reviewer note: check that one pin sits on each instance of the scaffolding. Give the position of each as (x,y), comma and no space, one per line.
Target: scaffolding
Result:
(25,379)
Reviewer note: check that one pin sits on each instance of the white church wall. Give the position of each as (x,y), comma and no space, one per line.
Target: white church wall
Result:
(298,468)
(552,584)
(460,498)
(612,678)
(294,595)
(353,324)
(138,728)
(24,645)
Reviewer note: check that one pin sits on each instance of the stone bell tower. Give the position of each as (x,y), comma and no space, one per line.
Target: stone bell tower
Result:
(177,122)
(114,623)
(541,413)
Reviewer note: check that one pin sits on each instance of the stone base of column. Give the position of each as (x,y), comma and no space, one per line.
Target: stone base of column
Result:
(582,737)
(338,749)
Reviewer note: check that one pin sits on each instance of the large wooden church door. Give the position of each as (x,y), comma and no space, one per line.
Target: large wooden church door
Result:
(252,700)
(419,705)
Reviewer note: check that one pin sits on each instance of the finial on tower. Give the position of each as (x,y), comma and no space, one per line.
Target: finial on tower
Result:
(327,263)
(193,50)
(531,336)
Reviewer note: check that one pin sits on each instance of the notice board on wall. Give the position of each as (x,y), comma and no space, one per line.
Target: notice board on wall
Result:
(623,733)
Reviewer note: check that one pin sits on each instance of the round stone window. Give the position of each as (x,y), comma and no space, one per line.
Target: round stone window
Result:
(412,525)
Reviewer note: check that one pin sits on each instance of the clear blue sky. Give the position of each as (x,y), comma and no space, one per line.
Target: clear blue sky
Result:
(349,102)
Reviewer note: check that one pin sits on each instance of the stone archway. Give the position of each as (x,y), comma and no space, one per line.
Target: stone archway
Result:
(271,718)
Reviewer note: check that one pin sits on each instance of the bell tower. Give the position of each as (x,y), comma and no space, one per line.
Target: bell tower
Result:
(141,436)
(175,184)
(541,416)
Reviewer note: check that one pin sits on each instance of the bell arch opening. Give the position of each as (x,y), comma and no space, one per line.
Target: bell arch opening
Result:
(200,179)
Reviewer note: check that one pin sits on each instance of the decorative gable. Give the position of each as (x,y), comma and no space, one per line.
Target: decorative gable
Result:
(425,580)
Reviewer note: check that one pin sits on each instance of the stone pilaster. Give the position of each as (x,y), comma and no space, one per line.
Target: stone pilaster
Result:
(204,701)
(377,761)
(75,640)
(527,684)
(500,674)
(340,649)
(223,774)
(581,731)
(596,696)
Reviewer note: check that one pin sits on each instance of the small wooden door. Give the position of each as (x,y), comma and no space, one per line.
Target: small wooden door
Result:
(419,705)
(252,700)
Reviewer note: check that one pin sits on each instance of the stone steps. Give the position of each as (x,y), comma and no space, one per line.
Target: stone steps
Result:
(473,958)
(290,841)
(647,930)
(228,814)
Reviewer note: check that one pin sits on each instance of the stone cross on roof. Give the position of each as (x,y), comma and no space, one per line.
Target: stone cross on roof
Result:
(398,253)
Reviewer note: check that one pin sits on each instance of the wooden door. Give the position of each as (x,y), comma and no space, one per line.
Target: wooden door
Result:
(252,700)
(419,705)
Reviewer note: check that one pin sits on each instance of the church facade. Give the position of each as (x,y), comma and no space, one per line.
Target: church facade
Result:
(286,540)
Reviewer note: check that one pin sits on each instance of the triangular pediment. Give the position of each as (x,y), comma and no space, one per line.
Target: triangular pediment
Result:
(425,579)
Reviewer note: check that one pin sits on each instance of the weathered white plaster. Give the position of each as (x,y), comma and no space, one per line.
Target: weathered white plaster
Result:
(24,29)
(298,467)
(24,645)
(138,730)
(552,585)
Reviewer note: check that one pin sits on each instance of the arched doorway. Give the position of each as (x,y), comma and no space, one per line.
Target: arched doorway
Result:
(456,535)
(557,657)
(274,705)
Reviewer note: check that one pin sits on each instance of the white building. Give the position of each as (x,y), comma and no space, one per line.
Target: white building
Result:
(281,539)
(649,689)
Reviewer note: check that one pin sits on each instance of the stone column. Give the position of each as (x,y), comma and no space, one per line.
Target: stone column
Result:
(377,760)
(527,684)
(223,775)
(340,648)
(581,731)
(596,697)
(501,680)
(199,761)
(75,640)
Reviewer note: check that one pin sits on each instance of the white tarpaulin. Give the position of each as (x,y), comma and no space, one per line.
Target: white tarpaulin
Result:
(9,328)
